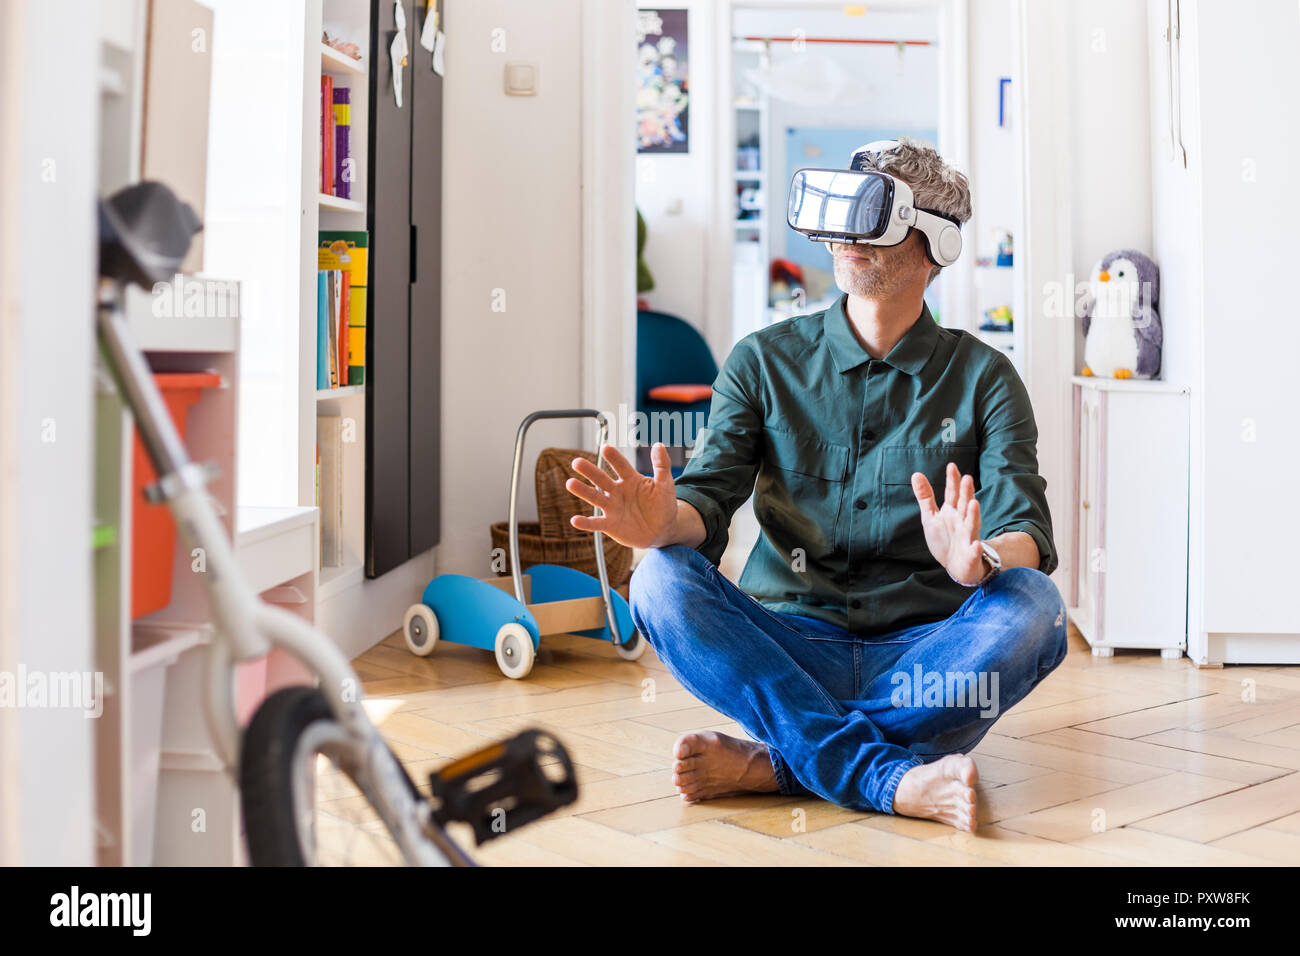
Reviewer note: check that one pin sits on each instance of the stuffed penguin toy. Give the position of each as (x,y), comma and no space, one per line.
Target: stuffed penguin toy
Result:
(1121,327)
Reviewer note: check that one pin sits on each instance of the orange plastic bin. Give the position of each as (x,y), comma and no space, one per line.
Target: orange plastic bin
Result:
(153,532)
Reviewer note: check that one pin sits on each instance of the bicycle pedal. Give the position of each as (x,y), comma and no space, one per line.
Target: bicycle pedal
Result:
(502,787)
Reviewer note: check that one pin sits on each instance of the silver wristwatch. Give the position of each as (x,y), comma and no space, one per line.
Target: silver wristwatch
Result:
(993,560)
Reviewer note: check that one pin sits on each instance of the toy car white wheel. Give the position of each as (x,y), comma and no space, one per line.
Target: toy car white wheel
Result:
(514,650)
(633,649)
(420,628)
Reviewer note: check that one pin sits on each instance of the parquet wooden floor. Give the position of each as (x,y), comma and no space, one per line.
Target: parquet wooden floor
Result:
(1123,761)
(1128,760)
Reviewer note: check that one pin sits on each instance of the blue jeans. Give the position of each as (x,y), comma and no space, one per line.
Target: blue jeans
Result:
(844,716)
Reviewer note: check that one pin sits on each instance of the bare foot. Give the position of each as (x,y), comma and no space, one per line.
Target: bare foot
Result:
(707,765)
(942,791)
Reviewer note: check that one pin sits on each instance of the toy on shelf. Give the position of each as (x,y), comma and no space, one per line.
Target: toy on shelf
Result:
(1006,255)
(346,47)
(510,617)
(997,320)
(1121,325)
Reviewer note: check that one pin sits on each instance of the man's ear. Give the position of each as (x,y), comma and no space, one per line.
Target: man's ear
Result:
(923,247)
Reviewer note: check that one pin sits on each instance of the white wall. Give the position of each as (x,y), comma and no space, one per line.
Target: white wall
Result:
(1086,164)
(1110,132)
(674,191)
(994,187)
(48,327)
(512,222)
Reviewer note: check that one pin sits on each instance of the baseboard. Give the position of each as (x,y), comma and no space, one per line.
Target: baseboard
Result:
(359,617)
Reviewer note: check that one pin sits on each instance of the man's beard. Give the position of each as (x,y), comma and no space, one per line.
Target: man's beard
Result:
(879,276)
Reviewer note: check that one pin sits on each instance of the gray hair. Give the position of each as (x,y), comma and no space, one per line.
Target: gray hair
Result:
(935,185)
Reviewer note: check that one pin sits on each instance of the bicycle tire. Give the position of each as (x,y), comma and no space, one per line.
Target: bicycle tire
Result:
(266,774)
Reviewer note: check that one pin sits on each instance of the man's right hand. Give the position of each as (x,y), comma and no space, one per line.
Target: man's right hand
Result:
(639,511)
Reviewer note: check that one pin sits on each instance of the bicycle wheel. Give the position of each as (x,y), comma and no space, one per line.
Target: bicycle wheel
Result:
(300,787)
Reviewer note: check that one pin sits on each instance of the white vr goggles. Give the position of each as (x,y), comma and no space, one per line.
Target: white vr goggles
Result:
(867,206)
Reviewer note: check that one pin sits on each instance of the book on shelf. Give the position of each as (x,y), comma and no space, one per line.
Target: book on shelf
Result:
(322,330)
(343,169)
(327,134)
(346,252)
(332,326)
(345,308)
(329,444)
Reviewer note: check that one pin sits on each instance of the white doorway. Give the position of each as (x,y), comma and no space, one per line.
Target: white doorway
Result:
(809,86)
(793,82)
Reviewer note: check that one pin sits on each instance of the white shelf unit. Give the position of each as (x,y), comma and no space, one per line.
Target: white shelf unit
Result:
(753,236)
(339,204)
(340,64)
(338,394)
(155,766)
(155,763)
(1129,514)
(355,611)
(993,286)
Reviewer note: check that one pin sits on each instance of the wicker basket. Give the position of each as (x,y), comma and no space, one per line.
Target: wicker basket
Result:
(552,539)
(578,553)
(555,506)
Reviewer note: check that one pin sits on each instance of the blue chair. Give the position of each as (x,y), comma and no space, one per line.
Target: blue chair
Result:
(669,351)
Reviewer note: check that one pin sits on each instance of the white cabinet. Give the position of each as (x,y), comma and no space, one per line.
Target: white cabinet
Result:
(1130,513)
(1224,138)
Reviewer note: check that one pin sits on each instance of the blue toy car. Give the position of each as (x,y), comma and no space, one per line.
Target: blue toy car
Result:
(510,618)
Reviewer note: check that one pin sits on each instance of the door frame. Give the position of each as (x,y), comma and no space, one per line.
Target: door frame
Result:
(608,182)
(1045,253)
(11,80)
(954,144)
(1044,237)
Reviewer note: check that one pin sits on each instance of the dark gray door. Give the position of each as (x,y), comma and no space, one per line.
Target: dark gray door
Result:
(388,491)
(426,295)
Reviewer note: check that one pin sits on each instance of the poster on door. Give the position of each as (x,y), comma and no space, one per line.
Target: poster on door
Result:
(663,82)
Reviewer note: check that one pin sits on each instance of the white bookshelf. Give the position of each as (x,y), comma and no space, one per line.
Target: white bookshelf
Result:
(753,235)
(355,611)
(340,64)
(339,204)
(338,394)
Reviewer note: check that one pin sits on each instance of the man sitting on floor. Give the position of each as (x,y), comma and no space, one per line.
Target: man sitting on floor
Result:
(875,636)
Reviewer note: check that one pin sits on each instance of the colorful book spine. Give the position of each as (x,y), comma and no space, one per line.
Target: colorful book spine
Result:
(322,331)
(333,324)
(349,250)
(343,170)
(327,134)
(345,308)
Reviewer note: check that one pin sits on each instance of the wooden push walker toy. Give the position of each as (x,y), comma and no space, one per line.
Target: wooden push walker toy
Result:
(548,599)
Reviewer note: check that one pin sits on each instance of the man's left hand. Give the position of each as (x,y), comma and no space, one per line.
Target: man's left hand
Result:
(952,531)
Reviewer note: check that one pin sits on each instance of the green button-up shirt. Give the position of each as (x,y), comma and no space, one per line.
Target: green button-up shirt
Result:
(827,438)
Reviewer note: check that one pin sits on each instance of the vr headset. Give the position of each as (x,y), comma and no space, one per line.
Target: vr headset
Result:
(867,206)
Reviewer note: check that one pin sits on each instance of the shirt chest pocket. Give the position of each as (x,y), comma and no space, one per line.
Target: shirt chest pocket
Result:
(801,490)
(903,535)
(808,457)
(900,462)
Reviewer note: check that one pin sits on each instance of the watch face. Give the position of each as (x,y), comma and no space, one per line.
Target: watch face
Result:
(991,556)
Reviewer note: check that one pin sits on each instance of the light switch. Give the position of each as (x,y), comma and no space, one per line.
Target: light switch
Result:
(521,79)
